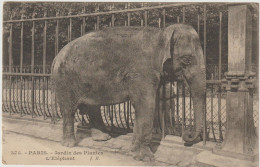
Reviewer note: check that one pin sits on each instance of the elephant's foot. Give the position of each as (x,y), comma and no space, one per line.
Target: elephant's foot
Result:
(143,154)
(69,142)
(98,135)
(197,140)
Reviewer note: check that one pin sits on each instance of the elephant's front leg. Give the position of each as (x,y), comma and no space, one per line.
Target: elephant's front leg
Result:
(144,109)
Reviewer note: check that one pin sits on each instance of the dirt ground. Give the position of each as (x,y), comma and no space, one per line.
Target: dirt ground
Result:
(28,150)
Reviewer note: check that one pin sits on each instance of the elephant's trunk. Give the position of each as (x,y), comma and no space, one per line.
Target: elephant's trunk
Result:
(198,93)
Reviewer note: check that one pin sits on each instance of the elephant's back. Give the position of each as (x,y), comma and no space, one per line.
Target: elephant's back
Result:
(106,48)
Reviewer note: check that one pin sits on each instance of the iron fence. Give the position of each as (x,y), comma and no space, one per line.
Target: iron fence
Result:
(26,88)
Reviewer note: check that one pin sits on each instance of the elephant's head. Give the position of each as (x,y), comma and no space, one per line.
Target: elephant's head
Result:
(184,61)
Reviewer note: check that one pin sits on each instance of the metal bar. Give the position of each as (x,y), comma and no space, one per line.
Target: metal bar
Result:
(28,98)
(10,95)
(114,108)
(183,108)
(57,36)
(44,44)
(220,46)
(183,14)
(163,20)
(47,97)
(178,19)
(115,12)
(21,47)
(159,22)
(4,94)
(26,74)
(97,11)
(112,117)
(190,109)
(163,110)
(83,21)
(32,97)
(212,120)
(70,27)
(145,18)
(21,95)
(43,98)
(205,46)
(219,77)
(125,113)
(130,111)
(127,116)
(11,48)
(171,106)
(17,93)
(13,89)
(24,96)
(177,106)
(35,95)
(119,108)
(104,111)
(32,49)
(39,92)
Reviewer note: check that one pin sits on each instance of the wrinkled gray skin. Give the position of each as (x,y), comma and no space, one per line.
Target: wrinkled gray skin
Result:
(116,64)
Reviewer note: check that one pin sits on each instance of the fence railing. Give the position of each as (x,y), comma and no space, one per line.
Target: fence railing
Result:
(30,96)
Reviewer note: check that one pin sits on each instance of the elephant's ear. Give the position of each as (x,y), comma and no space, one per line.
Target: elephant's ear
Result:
(168,33)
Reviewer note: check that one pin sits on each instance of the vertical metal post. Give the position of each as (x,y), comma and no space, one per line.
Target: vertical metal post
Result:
(21,46)
(70,26)
(11,46)
(183,108)
(57,35)
(177,106)
(159,22)
(44,44)
(178,19)
(219,76)
(128,15)
(97,25)
(127,117)
(32,66)
(163,110)
(163,19)
(205,46)
(220,46)
(112,16)
(21,61)
(145,18)
(211,112)
(83,21)
(183,14)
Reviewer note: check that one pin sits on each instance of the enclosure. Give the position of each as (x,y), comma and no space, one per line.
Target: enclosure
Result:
(34,33)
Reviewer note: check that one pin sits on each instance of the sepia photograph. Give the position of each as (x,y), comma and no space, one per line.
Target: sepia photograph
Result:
(144,83)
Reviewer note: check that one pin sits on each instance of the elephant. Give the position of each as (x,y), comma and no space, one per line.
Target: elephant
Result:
(116,64)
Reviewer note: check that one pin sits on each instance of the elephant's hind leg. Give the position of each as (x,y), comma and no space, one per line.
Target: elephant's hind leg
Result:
(68,109)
